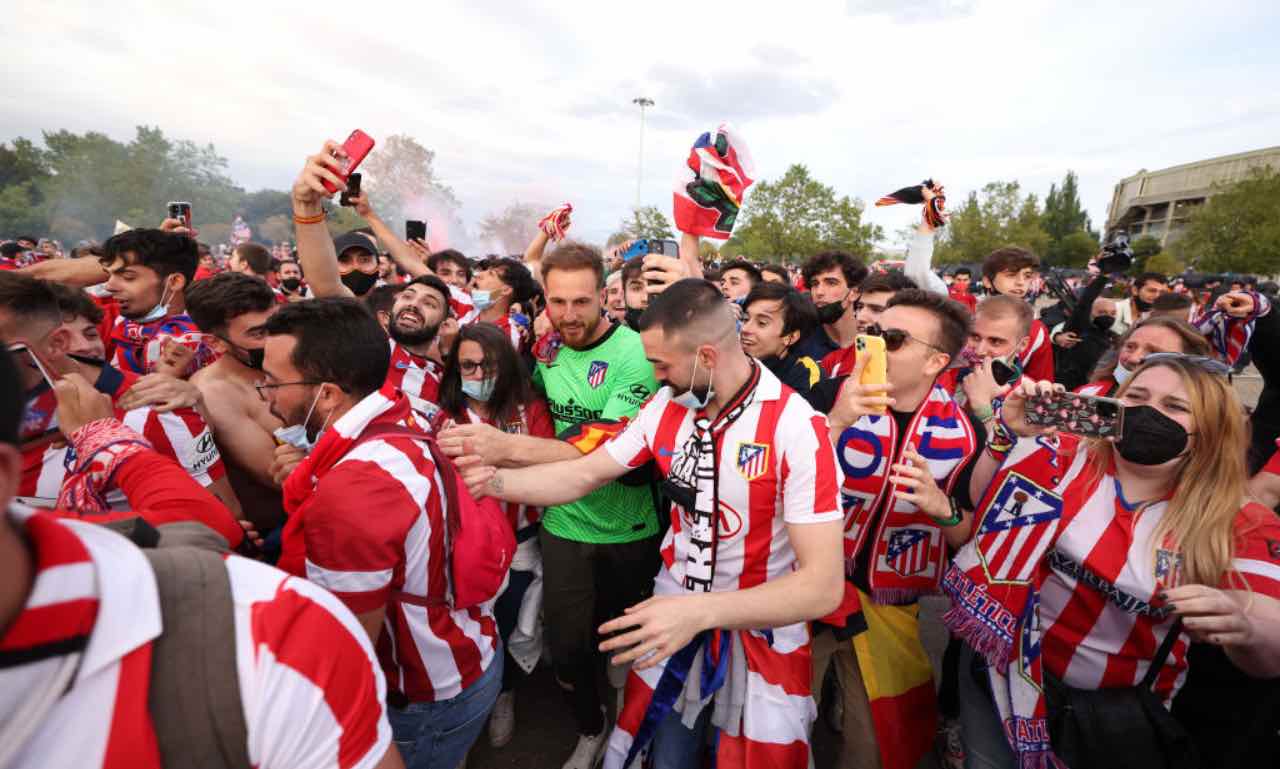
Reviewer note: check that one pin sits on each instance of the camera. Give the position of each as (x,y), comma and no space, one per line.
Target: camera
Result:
(1117,255)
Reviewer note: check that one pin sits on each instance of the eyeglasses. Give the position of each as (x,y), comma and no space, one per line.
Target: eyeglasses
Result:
(262,386)
(894,338)
(1211,365)
(469,367)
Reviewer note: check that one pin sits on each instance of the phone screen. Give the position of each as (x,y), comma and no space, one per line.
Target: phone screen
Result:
(415,229)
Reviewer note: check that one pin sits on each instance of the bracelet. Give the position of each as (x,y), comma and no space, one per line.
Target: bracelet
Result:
(956,518)
(316,219)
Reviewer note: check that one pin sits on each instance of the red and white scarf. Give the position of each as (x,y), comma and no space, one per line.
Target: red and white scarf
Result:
(908,552)
(556,223)
(708,205)
(1230,336)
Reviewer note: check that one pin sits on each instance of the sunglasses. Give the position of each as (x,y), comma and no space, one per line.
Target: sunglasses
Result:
(895,338)
(1211,365)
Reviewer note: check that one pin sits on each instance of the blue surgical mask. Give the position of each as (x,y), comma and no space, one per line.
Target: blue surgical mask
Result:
(160,310)
(479,389)
(296,435)
(689,398)
(482,299)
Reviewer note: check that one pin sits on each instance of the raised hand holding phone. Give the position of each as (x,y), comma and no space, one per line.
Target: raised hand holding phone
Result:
(321,171)
(354,150)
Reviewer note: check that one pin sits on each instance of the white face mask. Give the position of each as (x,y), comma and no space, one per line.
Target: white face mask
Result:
(1121,374)
(296,435)
(688,398)
(160,310)
(482,299)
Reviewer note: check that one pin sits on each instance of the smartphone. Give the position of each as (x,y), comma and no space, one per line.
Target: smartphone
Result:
(644,247)
(637,248)
(352,190)
(1092,416)
(415,229)
(876,371)
(357,146)
(180,210)
(1002,372)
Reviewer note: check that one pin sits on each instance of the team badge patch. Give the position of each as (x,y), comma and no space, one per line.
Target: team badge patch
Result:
(1168,568)
(908,551)
(595,374)
(1007,548)
(753,460)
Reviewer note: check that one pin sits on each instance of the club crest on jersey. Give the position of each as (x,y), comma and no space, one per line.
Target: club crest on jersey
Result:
(753,460)
(595,374)
(1168,568)
(1005,549)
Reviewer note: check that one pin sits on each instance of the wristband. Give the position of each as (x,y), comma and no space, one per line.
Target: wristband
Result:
(956,518)
(316,219)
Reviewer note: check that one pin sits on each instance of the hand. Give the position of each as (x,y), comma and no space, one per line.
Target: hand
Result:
(541,325)
(361,204)
(1014,410)
(447,333)
(662,626)
(481,478)
(485,441)
(1066,339)
(980,387)
(175,358)
(79,403)
(162,392)
(286,458)
(420,248)
(916,485)
(857,400)
(178,226)
(1237,304)
(1211,615)
(661,271)
(251,532)
(308,189)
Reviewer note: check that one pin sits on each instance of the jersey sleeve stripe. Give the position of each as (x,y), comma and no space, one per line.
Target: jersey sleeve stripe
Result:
(348,581)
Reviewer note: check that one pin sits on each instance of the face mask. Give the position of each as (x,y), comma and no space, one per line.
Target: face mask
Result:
(1149,437)
(479,389)
(254,356)
(291,284)
(359,282)
(1121,374)
(296,435)
(482,299)
(1104,322)
(632,318)
(160,310)
(830,313)
(690,398)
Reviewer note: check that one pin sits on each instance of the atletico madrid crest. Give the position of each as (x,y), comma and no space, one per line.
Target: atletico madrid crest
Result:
(1020,516)
(595,374)
(753,460)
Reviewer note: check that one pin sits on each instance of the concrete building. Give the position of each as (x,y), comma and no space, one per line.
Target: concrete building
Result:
(1157,203)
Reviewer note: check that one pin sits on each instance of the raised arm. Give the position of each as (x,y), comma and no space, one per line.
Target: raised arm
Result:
(81,273)
(689,254)
(315,245)
(401,251)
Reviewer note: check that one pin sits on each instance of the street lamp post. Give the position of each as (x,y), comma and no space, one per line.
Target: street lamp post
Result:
(643,102)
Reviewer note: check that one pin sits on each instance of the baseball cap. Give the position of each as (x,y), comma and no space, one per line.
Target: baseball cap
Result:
(350,240)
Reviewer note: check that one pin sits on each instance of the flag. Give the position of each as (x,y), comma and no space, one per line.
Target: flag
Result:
(934,213)
(708,205)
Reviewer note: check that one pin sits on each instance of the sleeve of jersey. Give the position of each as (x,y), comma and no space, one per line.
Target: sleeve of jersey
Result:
(189,440)
(1039,357)
(1256,567)
(630,448)
(350,553)
(810,477)
(161,492)
(313,689)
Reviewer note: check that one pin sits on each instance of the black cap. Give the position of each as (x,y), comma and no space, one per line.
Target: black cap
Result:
(12,400)
(350,240)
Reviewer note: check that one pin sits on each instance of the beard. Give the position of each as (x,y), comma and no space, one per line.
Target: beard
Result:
(412,337)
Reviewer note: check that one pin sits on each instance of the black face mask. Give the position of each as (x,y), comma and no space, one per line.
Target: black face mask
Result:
(291,284)
(1149,437)
(1104,322)
(632,318)
(1141,305)
(830,313)
(359,282)
(250,358)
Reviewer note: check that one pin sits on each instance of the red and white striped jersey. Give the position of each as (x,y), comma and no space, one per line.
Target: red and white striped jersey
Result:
(1096,606)
(416,376)
(1100,387)
(535,420)
(462,306)
(1037,359)
(776,466)
(181,435)
(429,653)
(521,338)
(309,684)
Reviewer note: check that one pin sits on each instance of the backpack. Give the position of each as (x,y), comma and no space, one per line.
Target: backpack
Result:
(194,696)
(479,542)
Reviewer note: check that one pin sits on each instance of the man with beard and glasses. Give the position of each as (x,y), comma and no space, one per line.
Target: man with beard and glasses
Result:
(600,550)
(832,278)
(35,326)
(233,309)
(416,316)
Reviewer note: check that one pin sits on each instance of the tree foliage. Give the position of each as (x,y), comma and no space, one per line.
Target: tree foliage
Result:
(647,222)
(1237,229)
(998,215)
(400,179)
(514,227)
(1072,240)
(797,216)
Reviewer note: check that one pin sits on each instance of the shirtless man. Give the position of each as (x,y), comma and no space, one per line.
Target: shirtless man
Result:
(231,308)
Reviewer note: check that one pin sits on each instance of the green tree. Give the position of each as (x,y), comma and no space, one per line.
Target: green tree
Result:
(1163,262)
(797,216)
(275,228)
(647,222)
(1062,218)
(1237,229)
(400,178)
(514,227)
(998,215)
(1076,249)
(1144,248)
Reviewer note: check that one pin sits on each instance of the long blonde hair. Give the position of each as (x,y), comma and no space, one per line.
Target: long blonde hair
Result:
(1212,482)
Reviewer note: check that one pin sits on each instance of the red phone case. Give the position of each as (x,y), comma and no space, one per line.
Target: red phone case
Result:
(357,145)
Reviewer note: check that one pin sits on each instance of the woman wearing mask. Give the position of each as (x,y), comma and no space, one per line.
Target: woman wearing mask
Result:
(1096,563)
(1153,335)
(485,381)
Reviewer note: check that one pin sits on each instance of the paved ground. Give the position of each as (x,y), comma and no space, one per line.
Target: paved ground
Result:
(544,731)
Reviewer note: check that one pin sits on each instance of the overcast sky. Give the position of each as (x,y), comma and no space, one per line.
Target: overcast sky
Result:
(532,101)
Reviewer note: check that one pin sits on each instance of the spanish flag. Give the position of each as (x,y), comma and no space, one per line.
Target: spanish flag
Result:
(899,681)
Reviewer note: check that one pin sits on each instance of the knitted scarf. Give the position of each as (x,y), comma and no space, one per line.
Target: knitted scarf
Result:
(556,223)
(722,168)
(995,580)
(1230,336)
(908,551)
(138,345)
(98,449)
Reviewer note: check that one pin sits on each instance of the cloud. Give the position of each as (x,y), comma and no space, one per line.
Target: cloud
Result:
(742,95)
(912,10)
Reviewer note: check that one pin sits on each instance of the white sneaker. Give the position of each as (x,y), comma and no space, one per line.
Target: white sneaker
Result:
(589,751)
(502,721)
